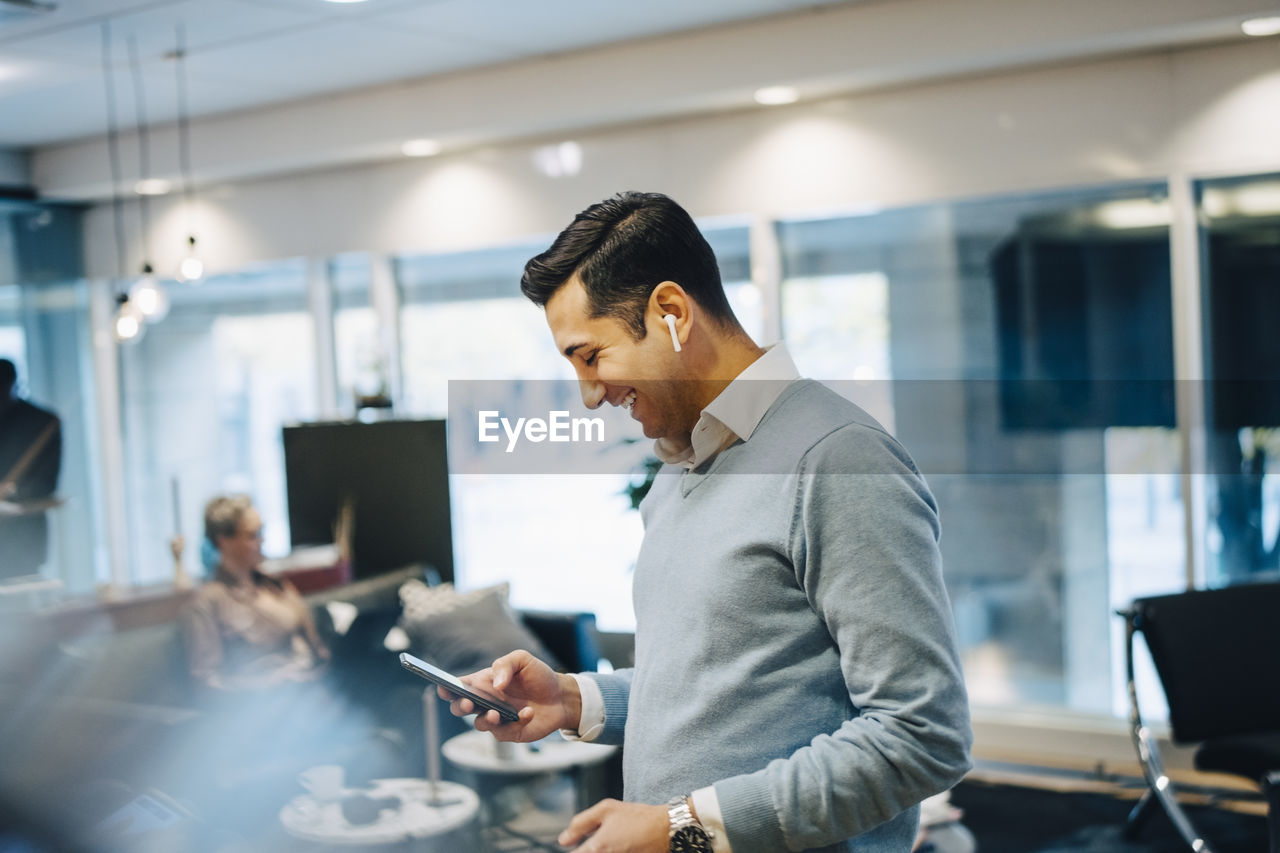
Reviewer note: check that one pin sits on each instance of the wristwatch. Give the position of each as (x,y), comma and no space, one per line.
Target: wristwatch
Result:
(687,834)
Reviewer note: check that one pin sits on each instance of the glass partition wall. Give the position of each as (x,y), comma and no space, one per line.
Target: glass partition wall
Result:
(1240,239)
(45,331)
(1022,350)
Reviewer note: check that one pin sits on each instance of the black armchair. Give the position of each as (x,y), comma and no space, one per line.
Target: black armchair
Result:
(1215,652)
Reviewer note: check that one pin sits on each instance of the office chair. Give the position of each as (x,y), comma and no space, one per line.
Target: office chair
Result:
(1215,652)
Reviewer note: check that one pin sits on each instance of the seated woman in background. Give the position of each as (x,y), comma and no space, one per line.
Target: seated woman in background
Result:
(244,629)
(267,713)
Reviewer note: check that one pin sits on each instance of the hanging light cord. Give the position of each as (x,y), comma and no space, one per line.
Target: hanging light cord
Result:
(184,137)
(144,148)
(113,147)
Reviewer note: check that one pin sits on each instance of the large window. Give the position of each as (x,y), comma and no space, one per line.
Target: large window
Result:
(732,246)
(1022,350)
(205,394)
(1240,226)
(363,356)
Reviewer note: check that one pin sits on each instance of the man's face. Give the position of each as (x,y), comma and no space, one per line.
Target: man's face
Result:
(613,367)
(243,549)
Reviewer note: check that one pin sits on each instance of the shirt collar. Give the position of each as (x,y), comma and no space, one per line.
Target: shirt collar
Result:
(736,412)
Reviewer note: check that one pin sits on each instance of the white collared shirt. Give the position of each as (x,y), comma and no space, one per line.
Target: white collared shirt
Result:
(735,412)
(733,415)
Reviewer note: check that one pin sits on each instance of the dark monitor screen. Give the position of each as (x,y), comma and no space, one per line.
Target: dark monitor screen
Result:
(397,475)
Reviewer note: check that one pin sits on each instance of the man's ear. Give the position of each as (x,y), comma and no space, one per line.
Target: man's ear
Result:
(669,298)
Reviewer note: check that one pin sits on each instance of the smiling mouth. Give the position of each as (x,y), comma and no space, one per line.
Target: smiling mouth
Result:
(629,401)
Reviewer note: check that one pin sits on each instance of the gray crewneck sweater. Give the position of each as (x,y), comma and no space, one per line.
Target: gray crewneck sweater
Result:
(794,641)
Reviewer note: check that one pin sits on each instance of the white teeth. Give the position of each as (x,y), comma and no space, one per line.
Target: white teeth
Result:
(629,401)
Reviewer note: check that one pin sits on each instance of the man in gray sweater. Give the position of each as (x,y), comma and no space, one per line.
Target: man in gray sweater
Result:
(796,684)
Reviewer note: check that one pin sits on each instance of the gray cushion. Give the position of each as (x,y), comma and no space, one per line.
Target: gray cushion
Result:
(464,632)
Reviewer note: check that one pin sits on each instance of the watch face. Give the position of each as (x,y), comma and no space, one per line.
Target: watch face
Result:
(690,839)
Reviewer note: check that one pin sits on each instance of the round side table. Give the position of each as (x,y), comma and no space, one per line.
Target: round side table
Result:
(480,753)
(421,813)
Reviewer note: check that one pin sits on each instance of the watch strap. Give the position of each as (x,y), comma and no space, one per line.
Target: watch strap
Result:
(680,815)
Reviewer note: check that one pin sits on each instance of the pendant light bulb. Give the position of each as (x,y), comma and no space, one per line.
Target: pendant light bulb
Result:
(129,324)
(149,297)
(192,268)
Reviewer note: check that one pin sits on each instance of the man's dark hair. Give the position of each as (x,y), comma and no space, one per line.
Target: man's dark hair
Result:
(621,249)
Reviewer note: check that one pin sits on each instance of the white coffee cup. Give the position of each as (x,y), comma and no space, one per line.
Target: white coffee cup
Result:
(323,782)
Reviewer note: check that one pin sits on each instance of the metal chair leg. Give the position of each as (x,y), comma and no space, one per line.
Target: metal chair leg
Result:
(1161,786)
(1139,815)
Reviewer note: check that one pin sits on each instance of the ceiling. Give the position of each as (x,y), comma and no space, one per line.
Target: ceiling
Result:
(280,86)
(242,54)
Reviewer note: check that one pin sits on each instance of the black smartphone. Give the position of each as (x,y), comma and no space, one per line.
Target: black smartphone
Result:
(455,686)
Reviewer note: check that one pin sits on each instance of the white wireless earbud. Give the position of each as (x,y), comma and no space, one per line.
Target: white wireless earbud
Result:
(671,324)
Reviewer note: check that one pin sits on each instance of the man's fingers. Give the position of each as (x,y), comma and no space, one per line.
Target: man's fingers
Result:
(584,823)
(490,721)
(502,672)
(505,667)
(458,706)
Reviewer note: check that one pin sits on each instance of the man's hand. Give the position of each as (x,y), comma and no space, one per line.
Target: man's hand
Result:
(613,827)
(547,701)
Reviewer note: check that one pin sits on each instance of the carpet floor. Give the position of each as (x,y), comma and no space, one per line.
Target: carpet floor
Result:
(1012,819)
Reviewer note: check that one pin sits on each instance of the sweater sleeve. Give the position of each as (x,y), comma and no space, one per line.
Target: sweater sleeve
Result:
(615,689)
(864,545)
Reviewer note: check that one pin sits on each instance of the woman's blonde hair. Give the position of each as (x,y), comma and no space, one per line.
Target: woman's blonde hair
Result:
(222,515)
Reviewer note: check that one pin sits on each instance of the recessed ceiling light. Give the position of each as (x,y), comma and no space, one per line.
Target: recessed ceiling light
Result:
(772,96)
(420,148)
(559,161)
(151,186)
(1262,26)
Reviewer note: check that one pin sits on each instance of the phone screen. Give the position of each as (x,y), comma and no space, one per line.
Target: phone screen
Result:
(454,685)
